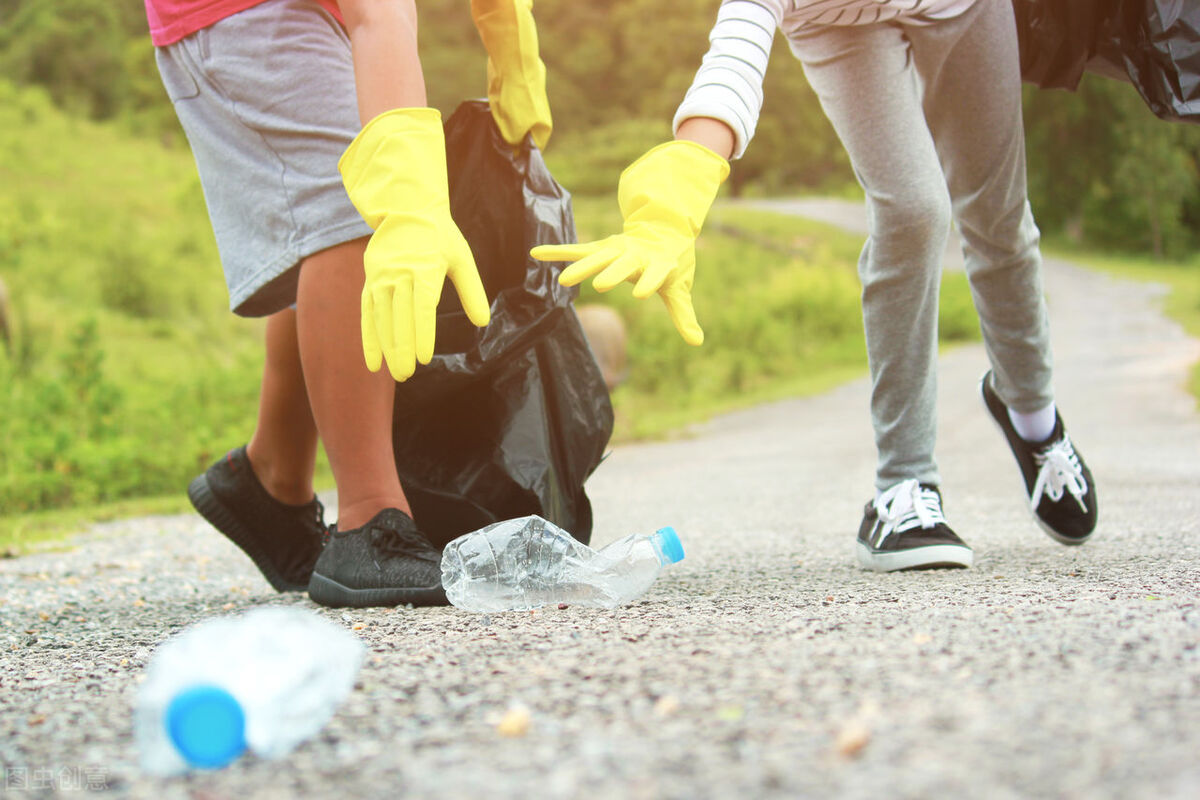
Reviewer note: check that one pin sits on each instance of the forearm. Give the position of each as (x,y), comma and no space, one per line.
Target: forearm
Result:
(712,133)
(387,68)
(728,88)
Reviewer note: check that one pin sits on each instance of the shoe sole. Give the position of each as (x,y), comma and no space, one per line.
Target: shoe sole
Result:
(331,594)
(937,556)
(1053,534)
(221,518)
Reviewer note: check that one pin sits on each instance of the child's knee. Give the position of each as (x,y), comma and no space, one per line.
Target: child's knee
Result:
(908,240)
(1009,239)
(913,222)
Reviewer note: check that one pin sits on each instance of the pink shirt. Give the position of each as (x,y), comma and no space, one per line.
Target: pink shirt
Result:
(171,20)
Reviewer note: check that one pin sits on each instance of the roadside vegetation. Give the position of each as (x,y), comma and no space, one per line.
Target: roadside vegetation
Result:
(126,374)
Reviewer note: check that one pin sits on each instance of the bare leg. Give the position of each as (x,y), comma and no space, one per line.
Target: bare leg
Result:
(283,449)
(352,406)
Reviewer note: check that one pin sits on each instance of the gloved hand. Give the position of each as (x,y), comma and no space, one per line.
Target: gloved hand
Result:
(664,197)
(516,74)
(395,174)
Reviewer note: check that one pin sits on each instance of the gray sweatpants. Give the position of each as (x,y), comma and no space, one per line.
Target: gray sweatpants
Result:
(930,116)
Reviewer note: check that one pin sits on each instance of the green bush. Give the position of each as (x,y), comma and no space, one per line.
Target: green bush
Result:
(127,372)
(71,436)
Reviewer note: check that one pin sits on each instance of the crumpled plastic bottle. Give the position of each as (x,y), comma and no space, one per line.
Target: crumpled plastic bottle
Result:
(525,563)
(264,681)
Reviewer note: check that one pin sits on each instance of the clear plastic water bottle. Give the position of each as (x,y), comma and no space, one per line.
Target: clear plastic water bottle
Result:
(264,681)
(526,563)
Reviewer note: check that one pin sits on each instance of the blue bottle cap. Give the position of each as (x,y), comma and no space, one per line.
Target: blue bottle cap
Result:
(207,726)
(669,544)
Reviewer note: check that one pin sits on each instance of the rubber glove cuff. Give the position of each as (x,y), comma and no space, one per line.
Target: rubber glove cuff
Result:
(675,182)
(374,170)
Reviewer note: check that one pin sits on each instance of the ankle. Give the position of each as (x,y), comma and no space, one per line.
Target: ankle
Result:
(281,479)
(1036,426)
(358,512)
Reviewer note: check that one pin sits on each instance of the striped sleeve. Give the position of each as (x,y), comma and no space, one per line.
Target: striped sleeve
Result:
(729,84)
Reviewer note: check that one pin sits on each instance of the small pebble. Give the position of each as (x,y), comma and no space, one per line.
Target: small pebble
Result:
(515,722)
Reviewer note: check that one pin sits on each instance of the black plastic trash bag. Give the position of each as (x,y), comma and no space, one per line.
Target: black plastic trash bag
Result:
(1160,47)
(1153,44)
(1059,39)
(507,420)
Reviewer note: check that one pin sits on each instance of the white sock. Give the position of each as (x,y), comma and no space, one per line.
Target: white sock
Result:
(1036,426)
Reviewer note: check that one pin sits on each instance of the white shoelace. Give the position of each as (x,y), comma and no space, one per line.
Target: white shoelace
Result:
(905,506)
(1059,469)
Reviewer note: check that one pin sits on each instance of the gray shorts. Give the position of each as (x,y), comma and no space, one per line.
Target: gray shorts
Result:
(266,98)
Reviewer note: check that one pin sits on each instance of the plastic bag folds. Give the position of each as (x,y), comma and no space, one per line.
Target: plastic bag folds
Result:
(1059,39)
(1153,44)
(507,420)
(1161,55)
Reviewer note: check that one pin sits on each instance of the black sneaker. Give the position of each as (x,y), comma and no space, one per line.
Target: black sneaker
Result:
(904,529)
(1058,483)
(282,540)
(387,562)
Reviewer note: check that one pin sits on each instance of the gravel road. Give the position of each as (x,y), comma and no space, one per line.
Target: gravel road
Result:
(766,664)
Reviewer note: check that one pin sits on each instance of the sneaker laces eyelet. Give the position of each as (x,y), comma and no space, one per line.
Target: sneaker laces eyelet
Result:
(1059,470)
(906,506)
(389,541)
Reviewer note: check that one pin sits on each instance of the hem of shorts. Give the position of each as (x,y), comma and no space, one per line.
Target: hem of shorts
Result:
(314,243)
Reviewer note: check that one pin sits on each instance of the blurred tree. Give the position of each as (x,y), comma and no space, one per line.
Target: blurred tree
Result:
(1102,168)
(1065,140)
(74,48)
(452,57)
(1153,174)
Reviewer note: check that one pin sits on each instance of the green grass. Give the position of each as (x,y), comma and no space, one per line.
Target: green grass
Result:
(1182,303)
(127,373)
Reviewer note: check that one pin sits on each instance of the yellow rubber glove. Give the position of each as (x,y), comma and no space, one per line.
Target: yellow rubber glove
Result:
(395,174)
(516,74)
(664,197)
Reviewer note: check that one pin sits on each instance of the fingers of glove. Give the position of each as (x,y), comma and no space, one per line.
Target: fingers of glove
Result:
(679,306)
(627,266)
(381,319)
(372,352)
(424,314)
(656,273)
(399,347)
(585,268)
(465,277)
(564,252)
